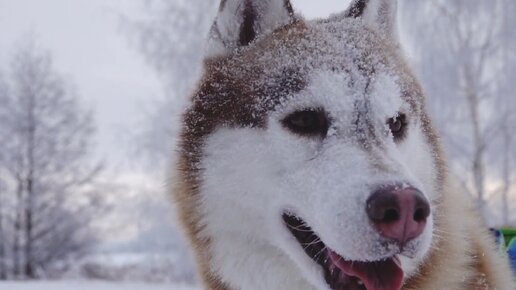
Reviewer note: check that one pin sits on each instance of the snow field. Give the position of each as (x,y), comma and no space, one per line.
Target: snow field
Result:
(87,285)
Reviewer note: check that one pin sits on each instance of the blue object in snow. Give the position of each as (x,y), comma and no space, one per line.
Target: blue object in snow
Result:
(511,251)
(500,240)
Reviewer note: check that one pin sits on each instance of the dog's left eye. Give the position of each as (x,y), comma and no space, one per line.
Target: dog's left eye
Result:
(398,126)
(308,122)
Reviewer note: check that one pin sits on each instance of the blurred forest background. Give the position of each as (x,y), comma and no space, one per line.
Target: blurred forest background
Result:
(85,198)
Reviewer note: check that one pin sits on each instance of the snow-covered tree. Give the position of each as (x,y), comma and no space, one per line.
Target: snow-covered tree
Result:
(171,36)
(507,107)
(462,50)
(3,188)
(48,197)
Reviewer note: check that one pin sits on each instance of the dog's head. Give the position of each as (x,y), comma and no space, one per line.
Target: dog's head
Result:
(307,146)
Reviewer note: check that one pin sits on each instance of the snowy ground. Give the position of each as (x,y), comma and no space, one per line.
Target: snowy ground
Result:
(80,285)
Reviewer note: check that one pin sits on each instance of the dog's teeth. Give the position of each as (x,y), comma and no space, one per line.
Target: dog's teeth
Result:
(359,282)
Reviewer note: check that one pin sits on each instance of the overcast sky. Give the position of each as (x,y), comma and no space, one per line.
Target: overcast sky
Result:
(89,45)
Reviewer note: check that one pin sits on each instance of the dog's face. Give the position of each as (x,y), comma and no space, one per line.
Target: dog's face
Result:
(313,144)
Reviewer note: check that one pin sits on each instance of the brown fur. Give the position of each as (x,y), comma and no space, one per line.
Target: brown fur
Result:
(463,255)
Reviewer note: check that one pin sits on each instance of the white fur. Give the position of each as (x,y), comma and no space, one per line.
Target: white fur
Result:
(226,29)
(244,254)
(381,15)
(251,176)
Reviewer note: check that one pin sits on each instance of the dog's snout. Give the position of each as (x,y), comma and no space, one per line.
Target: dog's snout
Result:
(399,214)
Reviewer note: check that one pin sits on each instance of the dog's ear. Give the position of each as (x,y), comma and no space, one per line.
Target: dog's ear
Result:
(239,22)
(380,14)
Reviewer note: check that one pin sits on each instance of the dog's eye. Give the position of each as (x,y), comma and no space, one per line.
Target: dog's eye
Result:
(398,126)
(309,122)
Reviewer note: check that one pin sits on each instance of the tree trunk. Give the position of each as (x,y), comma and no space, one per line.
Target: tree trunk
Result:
(28,208)
(478,166)
(29,263)
(3,236)
(506,173)
(17,234)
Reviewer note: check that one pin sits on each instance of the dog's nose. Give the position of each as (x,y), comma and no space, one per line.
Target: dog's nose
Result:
(398,213)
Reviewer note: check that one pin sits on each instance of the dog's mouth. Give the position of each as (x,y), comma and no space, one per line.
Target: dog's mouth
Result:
(342,274)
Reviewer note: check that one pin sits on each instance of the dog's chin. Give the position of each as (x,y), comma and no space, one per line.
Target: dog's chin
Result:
(342,274)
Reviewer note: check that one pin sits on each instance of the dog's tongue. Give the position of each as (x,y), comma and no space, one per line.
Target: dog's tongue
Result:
(381,275)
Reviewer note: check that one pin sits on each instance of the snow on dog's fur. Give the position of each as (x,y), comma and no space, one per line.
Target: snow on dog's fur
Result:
(297,129)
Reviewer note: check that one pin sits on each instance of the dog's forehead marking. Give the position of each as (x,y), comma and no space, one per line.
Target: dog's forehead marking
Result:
(254,81)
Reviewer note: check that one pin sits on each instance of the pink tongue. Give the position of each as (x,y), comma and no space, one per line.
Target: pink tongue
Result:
(381,275)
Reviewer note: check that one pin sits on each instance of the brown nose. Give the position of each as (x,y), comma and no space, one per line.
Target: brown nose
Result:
(398,213)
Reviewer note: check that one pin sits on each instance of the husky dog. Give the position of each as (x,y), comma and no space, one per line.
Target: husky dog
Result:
(307,161)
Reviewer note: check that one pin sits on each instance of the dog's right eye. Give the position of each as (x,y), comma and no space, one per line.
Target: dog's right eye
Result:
(398,126)
(309,122)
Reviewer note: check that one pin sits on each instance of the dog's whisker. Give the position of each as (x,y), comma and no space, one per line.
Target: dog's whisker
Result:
(315,242)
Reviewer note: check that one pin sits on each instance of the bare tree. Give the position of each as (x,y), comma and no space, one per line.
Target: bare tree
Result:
(463,61)
(3,266)
(46,146)
(171,36)
(507,106)
(507,132)
(3,274)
